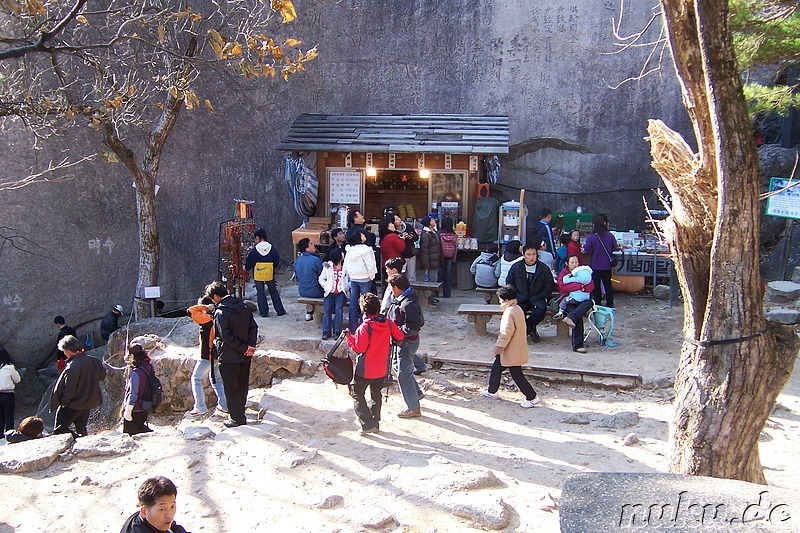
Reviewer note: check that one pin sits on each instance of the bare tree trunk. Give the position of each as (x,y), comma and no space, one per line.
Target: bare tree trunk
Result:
(144,177)
(733,365)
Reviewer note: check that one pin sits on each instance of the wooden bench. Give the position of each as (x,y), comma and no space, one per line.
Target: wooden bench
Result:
(315,307)
(490,295)
(426,290)
(480,315)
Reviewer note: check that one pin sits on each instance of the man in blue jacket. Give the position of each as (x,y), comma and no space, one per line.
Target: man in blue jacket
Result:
(307,269)
(263,259)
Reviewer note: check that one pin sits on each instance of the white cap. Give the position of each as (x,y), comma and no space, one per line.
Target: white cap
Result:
(118,308)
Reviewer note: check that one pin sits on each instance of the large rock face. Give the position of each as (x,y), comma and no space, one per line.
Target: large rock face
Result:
(545,65)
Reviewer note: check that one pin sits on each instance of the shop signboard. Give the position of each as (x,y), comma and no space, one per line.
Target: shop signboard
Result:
(784,198)
(344,187)
(641,264)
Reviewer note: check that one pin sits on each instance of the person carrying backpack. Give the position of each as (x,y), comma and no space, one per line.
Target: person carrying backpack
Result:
(407,314)
(134,413)
(371,341)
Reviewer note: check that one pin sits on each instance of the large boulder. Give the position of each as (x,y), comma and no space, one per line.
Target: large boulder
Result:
(33,455)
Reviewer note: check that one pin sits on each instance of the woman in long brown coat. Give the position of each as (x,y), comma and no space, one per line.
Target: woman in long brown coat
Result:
(511,349)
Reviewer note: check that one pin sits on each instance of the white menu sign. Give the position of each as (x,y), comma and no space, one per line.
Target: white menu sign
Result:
(344,187)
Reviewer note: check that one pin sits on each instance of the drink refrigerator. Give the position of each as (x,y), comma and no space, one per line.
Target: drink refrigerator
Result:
(512,222)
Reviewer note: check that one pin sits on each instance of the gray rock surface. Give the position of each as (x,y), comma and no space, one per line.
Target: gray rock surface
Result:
(369,516)
(782,291)
(581,419)
(491,514)
(630,439)
(331,502)
(650,502)
(198,433)
(502,57)
(661,292)
(624,419)
(107,444)
(33,455)
(783,315)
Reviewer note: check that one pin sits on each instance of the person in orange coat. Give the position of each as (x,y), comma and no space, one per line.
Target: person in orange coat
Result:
(511,349)
(203,315)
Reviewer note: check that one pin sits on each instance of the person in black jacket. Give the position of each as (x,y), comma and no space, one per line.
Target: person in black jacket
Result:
(63,331)
(355,225)
(406,313)
(110,322)
(236,334)
(542,232)
(77,390)
(157,506)
(534,284)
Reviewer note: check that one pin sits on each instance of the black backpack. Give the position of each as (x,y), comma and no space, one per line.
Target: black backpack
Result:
(339,369)
(153,391)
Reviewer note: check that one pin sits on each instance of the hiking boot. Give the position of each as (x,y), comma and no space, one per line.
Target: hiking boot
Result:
(233,423)
(492,395)
(527,404)
(535,335)
(326,336)
(367,431)
(196,412)
(580,349)
(219,411)
(408,413)
(568,321)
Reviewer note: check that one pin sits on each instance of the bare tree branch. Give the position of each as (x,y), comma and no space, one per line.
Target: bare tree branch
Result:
(43,176)
(44,37)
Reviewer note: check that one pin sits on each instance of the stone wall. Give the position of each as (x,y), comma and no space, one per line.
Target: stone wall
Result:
(548,66)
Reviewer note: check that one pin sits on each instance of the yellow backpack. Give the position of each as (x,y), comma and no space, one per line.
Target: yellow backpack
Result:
(263,272)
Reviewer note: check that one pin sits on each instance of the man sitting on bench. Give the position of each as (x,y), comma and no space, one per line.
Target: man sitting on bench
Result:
(534,284)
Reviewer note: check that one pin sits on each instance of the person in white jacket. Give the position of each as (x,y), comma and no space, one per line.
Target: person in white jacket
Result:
(513,254)
(9,377)
(359,262)
(336,284)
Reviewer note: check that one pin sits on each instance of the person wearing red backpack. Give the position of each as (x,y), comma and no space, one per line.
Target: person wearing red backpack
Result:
(449,253)
(371,341)
(133,414)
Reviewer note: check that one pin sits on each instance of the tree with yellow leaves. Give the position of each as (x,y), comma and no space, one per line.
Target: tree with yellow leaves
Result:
(128,69)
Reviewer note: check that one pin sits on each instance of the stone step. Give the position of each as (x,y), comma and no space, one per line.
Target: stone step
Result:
(782,291)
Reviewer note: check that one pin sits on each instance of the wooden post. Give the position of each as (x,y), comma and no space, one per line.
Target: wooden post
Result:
(522,217)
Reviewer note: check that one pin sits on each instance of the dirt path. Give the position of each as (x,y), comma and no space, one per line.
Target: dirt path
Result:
(270,476)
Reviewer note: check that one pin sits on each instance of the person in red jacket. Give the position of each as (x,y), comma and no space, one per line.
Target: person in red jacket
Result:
(371,342)
(392,245)
(574,245)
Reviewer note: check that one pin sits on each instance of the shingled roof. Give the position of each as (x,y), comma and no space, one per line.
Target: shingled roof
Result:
(444,134)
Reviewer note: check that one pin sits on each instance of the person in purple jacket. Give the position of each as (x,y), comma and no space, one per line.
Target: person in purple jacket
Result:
(601,244)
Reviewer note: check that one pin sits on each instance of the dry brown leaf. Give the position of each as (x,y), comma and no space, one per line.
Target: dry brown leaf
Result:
(161,34)
(82,19)
(208,105)
(160,105)
(311,54)
(292,42)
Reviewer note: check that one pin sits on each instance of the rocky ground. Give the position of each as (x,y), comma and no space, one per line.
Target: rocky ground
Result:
(469,462)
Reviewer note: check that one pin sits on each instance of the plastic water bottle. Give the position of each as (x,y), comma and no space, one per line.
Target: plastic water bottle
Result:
(427,277)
